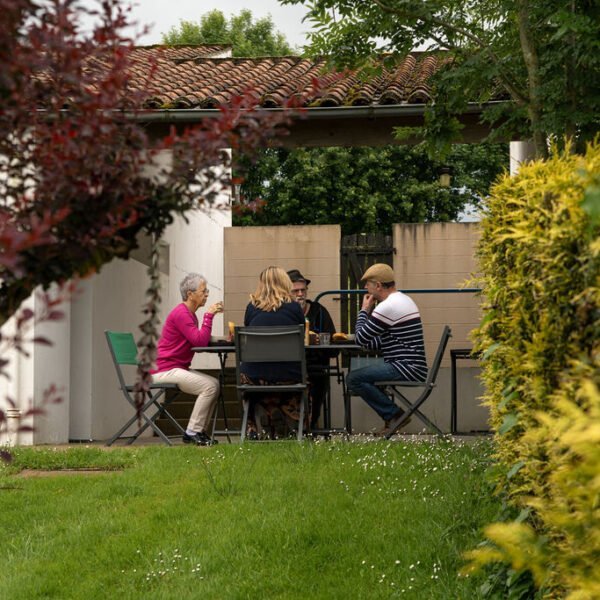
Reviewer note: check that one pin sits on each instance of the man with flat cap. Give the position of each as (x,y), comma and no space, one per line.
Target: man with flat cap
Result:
(317,361)
(389,321)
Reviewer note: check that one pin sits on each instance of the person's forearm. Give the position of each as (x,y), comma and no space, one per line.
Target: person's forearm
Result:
(205,330)
(198,336)
(367,334)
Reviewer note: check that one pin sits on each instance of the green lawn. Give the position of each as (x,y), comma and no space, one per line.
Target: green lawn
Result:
(272,520)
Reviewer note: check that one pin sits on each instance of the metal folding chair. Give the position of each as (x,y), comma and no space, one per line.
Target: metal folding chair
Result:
(267,345)
(393,387)
(356,362)
(123,350)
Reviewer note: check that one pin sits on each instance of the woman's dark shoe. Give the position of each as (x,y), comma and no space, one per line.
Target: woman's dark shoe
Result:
(252,435)
(200,438)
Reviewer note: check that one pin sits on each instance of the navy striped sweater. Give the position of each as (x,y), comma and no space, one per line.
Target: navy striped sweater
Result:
(395,329)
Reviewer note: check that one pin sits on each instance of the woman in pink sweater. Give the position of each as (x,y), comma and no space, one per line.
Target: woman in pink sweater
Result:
(179,335)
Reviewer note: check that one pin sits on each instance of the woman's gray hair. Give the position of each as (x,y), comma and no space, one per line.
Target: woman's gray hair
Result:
(190,283)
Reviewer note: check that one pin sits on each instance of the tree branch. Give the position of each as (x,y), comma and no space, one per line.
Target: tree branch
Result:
(519,97)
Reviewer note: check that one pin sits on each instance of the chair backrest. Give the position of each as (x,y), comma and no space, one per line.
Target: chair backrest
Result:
(270,344)
(437,361)
(123,351)
(122,347)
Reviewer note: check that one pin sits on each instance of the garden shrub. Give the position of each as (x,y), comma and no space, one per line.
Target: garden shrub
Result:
(540,261)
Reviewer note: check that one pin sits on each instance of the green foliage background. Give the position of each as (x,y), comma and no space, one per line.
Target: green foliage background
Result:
(540,257)
(542,56)
(249,37)
(365,189)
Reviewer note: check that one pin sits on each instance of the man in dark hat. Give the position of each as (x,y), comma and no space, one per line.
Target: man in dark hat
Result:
(389,321)
(317,361)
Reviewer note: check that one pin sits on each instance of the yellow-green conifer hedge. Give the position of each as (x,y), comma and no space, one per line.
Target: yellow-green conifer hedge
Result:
(540,258)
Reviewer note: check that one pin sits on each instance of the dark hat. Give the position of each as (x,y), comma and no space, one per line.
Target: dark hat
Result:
(379,272)
(295,275)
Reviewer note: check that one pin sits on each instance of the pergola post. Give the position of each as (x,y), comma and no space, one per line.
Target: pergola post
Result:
(519,153)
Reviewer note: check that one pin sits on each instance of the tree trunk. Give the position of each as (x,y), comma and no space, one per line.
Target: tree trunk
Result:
(571,92)
(530,57)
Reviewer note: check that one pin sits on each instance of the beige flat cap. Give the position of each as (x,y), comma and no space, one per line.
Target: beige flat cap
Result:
(379,272)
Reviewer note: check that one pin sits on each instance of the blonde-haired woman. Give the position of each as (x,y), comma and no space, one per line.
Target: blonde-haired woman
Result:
(272,305)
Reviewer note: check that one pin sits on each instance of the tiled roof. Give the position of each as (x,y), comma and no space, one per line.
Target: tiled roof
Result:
(179,54)
(191,77)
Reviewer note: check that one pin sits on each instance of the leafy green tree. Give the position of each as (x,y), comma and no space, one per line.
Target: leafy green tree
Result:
(543,56)
(248,37)
(365,189)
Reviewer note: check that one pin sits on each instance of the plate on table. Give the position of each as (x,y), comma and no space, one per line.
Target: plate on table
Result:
(220,342)
(350,340)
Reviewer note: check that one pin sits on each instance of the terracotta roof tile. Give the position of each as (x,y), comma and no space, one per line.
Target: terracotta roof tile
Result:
(398,81)
(192,77)
(419,91)
(205,77)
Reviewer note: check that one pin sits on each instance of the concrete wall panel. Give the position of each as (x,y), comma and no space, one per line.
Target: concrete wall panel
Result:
(314,250)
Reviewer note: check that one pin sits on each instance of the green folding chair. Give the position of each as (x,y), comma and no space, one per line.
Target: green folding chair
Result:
(124,351)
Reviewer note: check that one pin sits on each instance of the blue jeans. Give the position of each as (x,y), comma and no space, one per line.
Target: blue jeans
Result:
(360,383)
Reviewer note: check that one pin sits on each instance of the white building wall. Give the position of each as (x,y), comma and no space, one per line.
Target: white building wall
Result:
(31,375)
(201,252)
(114,300)
(51,365)
(79,362)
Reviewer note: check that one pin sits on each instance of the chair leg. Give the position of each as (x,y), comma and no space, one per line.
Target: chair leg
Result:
(150,422)
(121,431)
(173,421)
(348,411)
(134,418)
(303,402)
(414,409)
(221,403)
(246,405)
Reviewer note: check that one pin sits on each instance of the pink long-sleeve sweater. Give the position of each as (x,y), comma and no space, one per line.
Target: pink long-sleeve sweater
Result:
(179,335)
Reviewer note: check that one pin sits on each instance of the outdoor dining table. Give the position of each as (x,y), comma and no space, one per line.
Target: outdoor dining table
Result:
(223,349)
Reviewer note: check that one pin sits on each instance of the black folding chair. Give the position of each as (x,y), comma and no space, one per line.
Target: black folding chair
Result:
(393,387)
(266,345)
(123,350)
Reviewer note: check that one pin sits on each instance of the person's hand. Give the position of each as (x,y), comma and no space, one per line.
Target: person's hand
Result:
(215,308)
(368,302)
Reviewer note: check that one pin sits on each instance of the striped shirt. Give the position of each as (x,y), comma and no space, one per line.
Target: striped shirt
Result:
(395,329)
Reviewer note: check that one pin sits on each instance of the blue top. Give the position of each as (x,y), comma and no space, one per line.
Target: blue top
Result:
(289,313)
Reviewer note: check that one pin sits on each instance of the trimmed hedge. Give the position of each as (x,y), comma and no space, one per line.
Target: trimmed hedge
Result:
(540,258)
